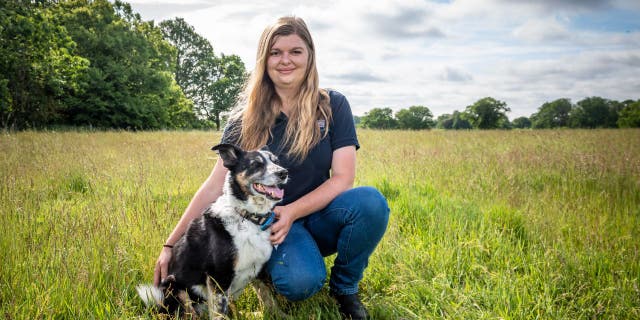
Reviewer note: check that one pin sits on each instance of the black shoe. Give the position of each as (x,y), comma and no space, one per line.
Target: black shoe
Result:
(351,307)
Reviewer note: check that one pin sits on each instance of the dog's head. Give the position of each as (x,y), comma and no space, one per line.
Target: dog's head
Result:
(254,176)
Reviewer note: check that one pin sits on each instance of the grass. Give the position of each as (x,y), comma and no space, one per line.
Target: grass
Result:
(484,224)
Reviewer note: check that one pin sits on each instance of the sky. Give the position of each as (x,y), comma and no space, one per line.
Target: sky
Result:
(444,55)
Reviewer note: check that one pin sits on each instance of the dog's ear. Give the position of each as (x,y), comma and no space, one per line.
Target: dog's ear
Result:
(229,154)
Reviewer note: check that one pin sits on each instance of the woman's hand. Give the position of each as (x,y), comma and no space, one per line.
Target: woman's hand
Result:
(162,266)
(280,229)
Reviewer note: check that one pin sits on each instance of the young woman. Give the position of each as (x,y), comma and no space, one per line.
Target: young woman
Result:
(311,130)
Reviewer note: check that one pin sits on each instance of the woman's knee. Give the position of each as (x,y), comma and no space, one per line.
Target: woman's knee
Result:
(300,286)
(296,267)
(371,204)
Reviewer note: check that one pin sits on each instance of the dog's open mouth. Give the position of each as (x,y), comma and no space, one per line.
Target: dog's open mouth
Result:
(272,192)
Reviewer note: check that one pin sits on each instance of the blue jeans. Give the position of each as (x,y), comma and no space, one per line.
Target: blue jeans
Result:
(351,225)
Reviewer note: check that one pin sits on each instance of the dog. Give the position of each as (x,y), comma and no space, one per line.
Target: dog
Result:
(226,248)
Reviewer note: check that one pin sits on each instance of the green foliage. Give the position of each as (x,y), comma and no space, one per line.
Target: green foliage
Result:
(213,83)
(379,118)
(415,118)
(630,116)
(521,123)
(6,102)
(552,114)
(593,112)
(129,83)
(191,52)
(487,113)
(98,64)
(230,75)
(444,121)
(456,121)
(39,66)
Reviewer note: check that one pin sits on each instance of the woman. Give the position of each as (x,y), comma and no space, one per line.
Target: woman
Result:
(311,131)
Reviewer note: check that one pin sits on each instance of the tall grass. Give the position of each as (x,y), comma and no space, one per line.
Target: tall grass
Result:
(484,225)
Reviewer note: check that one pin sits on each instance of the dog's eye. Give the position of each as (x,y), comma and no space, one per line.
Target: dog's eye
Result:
(256,164)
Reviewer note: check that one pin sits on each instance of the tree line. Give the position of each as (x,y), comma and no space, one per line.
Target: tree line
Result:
(489,113)
(95,63)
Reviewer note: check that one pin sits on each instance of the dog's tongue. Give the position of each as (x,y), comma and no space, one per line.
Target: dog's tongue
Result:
(275,192)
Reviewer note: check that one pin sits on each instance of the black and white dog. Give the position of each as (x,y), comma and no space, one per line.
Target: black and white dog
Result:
(225,248)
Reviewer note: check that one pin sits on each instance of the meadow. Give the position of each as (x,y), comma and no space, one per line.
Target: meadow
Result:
(484,224)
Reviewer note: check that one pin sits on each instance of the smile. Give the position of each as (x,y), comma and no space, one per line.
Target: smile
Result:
(286,71)
(272,192)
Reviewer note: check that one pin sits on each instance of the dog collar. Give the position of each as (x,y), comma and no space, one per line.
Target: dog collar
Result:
(271,218)
(263,221)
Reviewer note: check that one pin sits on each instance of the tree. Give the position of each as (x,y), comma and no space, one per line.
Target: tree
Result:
(227,81)
(487,113)
(460,122)
(454,121)
(379,118)
(592,112)
(193,61)
(521,123)
(630,116)
(615,107)
(552,114)
(212,83)
(415,118)
(129,83)
(444,121)
(39,66)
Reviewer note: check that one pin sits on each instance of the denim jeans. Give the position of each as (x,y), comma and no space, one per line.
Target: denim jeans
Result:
(351,225)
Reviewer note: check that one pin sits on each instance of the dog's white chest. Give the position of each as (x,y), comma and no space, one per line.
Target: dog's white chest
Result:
(254,249)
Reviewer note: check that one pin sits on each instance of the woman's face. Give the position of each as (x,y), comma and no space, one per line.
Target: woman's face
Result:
(287,62)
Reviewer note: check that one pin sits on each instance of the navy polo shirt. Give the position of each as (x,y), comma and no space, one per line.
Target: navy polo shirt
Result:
(306,175)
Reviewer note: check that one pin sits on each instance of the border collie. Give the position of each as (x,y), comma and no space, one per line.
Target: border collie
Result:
(225,248)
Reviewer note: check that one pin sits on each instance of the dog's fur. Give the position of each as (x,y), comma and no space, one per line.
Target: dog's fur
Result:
(225,248)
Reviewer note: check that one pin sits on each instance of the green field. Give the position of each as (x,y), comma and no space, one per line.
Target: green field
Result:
(484,224)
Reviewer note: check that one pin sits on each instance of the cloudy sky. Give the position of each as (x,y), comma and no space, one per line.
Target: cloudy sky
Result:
(442,54)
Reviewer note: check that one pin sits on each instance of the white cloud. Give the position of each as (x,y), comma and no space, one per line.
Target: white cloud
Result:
(544,30)
(455,75)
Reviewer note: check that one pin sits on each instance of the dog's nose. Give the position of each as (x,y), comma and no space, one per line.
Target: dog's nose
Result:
(282,174)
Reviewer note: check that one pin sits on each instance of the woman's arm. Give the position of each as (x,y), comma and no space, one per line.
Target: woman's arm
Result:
(210,190)
(343,172)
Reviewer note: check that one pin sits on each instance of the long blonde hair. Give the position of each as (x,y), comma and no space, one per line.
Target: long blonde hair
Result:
(260,104)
